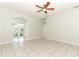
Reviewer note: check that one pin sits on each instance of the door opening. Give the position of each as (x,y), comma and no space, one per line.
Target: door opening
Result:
(18,34)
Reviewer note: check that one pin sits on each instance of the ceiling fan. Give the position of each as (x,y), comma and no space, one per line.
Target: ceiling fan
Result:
(45,8)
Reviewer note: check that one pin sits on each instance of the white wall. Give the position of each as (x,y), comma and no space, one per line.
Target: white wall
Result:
(6,19)
(35,29)
(64,27)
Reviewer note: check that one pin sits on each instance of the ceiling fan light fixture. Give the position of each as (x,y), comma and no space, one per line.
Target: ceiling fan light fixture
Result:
(44,10)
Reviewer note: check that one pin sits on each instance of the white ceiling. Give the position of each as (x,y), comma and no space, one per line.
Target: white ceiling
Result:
(28,7)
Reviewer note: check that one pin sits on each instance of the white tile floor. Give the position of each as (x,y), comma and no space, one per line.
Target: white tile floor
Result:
(40,48)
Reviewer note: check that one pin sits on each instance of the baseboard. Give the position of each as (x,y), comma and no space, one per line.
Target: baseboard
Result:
(31,38)
(34,37)
(63,41)
(8,42)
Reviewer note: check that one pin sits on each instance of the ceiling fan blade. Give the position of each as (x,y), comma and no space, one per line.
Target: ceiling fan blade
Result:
(39,10)
(48,3)
(45,12)
(50,9)
(44,6)
(39,6)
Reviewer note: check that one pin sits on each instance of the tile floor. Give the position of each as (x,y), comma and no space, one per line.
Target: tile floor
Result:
(40,48)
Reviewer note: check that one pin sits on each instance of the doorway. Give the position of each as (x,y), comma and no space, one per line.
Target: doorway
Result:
(18,35)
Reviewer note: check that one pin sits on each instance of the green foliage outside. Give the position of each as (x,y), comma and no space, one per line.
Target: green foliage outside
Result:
(19,33)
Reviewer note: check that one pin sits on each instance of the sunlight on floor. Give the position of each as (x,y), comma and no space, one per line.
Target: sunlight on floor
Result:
(18,42)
